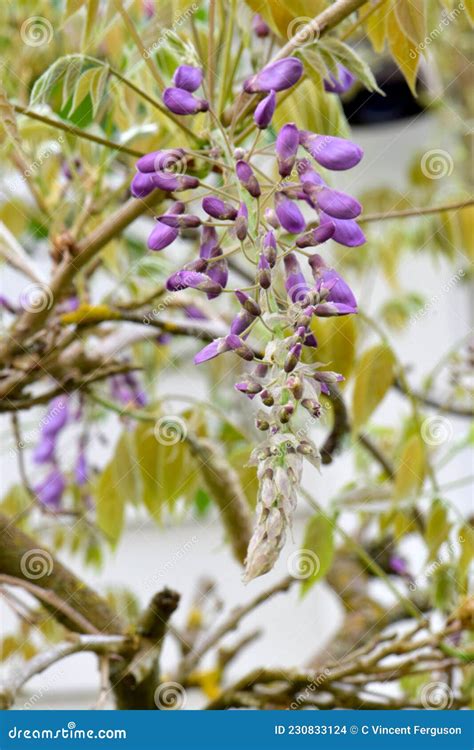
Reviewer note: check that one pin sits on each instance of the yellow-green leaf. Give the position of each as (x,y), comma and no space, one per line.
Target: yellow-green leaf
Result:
(437,528)
(109,505)
(336,343)
(411,468)
(376,26)
(411,15)
(147,457)
(373,377)
(404,51)
(315,557)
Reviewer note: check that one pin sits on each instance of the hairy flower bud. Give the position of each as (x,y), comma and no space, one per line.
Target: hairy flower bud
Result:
(218,209)
(249,304)
(289,215)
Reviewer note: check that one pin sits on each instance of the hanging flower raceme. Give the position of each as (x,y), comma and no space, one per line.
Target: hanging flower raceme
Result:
(240,208)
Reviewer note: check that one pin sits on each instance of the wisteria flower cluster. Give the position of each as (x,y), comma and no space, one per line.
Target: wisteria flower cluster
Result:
(273,222)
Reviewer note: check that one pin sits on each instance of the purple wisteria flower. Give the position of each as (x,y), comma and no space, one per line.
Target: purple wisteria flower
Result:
(286,148)
(187,77)
(264,111)
(182,102)
(260,28)
(218,209)
(247,178)
(50,490)
(289,215)
(338,298)
(331,152)
(277,76)
(339,83)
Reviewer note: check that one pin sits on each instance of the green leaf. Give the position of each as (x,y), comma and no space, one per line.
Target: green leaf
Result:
(109,506)
(316,554)
(411,469)
(352,61)
(148,456)
(411,15)
(437,528)
(404,51)
(373,377)
(91,16)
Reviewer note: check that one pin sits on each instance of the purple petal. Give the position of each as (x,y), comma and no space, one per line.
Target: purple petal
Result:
(50,490)
(162,236)
(218,209)
(247,178)
(57,416)
(317,236)
(157,161)
(346,232)
(295,283)
(278,76)
(187,77)
(192,279)
(210,351)
(264,111)
(331,152)
(289,215)
(44,451)
(286,147)
(142,185)
(338,204)
(181,102)
(209,247)
(341,83)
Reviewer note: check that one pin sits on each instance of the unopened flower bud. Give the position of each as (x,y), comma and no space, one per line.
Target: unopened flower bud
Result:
(270,248)
(249,304)
(264,276)
(292,358)
(262,424)
(241,222)
(247,178)
(182,102)
(295,384)
(267,397)
(271,218)
(187,77)
(285,413)
(239,347)
(313,406)
(264,111)
(183,221)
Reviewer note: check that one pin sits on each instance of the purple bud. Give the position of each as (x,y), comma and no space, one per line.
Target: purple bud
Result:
(340,83)
(80,470)
(264,276)
(398,565)
(187,77)
(249,387)
(44,451)
(239,346)
(247,178)
(248,303)
(57,416)
(50,490)
(218,208)
(209,247)
(184,221)
(241,322)
(218,272)
(241,222)
(264,111)
(310,340)
(286,147)
(295,282)
(317,236)
(278,76)
(337,204)
(260,28)
(271,218)
(333,286)
(289,215)
(293,357)
(181,102)
(192,279)
(307,174)
(142,185)
(346,232)
(270,248)
(162,236)
(331,152)
(158,161)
